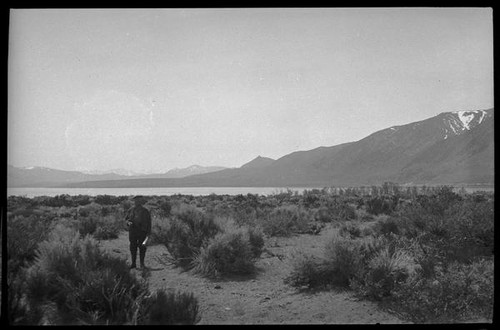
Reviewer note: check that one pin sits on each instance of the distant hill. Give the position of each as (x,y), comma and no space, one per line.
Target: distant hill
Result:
(183,172)
(48,177)
(258,162)
(450,148)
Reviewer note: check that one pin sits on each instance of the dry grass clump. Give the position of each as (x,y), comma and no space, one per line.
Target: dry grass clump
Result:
(185,233)
(233,251)
(73,282)
(285,221)
(172,308)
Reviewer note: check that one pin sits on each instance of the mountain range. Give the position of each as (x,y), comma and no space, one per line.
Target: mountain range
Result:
(451,148)
(48,177)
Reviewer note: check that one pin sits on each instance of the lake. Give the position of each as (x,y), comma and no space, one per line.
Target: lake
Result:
(167,191)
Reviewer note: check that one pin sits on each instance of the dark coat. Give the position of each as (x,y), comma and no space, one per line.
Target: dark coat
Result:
(141,220)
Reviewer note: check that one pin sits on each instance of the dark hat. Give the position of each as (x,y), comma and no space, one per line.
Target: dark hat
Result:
(139,198)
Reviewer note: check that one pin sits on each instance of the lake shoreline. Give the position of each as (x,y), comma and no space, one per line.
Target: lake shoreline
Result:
(195,191)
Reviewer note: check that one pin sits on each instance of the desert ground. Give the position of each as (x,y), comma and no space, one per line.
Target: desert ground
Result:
(263,297)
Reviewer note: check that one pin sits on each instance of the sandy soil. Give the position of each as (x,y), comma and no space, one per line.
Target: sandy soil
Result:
(262,298)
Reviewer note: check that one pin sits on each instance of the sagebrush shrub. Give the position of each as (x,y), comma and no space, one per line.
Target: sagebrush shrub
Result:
(462,232)
(387,226)
(84,284)
(17,309)
(381,205)
(172,308)
(385,272)
(73,282)
(336,210)
(159,230)
(310,272)
(472,223)
(285,220)
(87,225)
(245,216)
(254,234)
(350,257)
(165,208)
(81,200)
(109,199)
(23,236)
(256,240)
(349,229)
(226,253)
(343,254)
(457,293)
(442,199)
(345,262)
(187,231)
(100,226)
(109,227)
(323,214)
(58,201)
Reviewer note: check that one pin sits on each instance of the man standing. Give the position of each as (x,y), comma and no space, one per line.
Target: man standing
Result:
(139,228)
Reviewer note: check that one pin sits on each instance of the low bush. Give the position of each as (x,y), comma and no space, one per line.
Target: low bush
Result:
(457,293)
(245,216)
(233,251)
(81,283)
(58,201)
(20,202)
(159,230)
(73,282)
(185,233)
(81,200)
(109,227)
(345,259)
(345,262)
(309,272)
(350,230)
(256,240)
(87,225)
(165,208)
(285,221)
(381,205)
(172,308)
(23,236)
(101,227)
(226,253)
(387,226)
(323,215)
(363,215)
(109,199)
(472,225)
(385,271)
(335,210)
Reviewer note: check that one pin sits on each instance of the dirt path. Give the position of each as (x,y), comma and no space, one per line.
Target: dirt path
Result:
(262,298)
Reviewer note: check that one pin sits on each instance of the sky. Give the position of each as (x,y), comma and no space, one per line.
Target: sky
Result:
(150,90)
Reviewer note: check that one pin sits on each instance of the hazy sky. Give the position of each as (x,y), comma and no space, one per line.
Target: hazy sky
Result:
(150,90)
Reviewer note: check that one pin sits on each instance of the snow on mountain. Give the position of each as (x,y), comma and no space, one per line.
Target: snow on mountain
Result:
(465,118)
(457,122)
(119,171)
(37,168)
